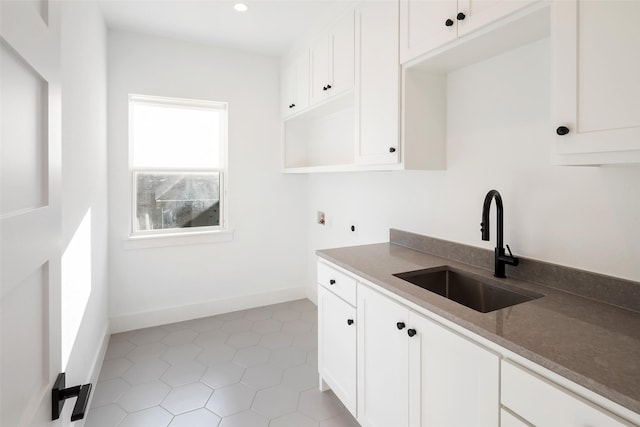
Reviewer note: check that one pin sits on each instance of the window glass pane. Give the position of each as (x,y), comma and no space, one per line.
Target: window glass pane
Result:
(173,136)
(177,200)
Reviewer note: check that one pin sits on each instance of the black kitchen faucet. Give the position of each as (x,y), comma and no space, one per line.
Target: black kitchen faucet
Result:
(500,258)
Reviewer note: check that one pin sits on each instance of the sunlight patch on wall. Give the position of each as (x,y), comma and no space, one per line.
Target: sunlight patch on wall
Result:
(76,285)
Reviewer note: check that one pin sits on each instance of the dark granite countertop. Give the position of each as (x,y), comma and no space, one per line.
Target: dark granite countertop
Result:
(594,344)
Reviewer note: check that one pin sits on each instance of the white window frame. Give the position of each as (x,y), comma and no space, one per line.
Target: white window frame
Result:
(188,235)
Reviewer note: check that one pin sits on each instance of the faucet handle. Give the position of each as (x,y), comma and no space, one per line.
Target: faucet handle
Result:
(511,260)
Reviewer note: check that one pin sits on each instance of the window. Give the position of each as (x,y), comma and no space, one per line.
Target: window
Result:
(177,158)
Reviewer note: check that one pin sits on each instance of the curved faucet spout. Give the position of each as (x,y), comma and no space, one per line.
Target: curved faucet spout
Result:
(500,258)
(485,216)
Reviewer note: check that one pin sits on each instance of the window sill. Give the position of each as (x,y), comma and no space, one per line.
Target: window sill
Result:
(177,239)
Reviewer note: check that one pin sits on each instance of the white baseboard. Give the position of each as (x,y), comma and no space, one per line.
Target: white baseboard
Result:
(129,322)
(312,293)
(96,366)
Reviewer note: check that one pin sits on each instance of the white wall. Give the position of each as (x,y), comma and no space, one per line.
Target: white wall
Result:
(266,260)
(499,137)
(84,190)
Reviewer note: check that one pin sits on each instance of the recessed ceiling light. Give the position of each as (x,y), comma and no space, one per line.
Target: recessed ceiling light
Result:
(240,7)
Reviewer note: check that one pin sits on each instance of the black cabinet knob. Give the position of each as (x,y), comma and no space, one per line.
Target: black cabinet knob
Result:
(293,105)
(349,322)
(392,149)
(332,282)
(460,16)
(328,86)
(411,332)
(324,88)
(400,325)
(448,22)
(562,130)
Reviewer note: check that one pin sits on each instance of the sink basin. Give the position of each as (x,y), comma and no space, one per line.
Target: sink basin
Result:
(467,290)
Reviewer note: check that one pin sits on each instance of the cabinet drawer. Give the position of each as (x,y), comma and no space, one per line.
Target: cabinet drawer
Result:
(337,282)
(541,402)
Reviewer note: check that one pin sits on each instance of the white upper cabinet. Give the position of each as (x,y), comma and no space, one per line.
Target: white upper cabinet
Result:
(295,84)
(425,25)
(332,60)
(377,83)
(595,84)
(428,24)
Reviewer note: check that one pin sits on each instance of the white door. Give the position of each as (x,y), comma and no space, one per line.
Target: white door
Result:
(342,55)
(378,87)
(29,211)
(478,13)
(458,381)
(337,346)
(383,356)
(595,68)
(319,69)
(426,25)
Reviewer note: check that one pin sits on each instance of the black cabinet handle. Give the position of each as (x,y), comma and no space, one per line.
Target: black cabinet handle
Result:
(324,88)
(411,332)
(293,105)
(328,86)
(562,130)
(448,22)
(332,282)
(392,149)
(400,325)
(460,16)
(349,322)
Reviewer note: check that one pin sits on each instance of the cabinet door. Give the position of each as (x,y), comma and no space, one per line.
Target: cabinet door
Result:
(378,97)
(478,13)
(383,374)
(542,403)
(301,88)
(459,380)
(342,54)
(423,26)
(337,347)
(319,70)
(287,89)
(595,66)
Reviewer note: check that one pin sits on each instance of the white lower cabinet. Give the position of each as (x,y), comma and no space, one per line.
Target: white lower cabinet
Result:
(337,346)
(507,419)
(457,379)
(392,366)
(414,372)
(383,358)
(542,403)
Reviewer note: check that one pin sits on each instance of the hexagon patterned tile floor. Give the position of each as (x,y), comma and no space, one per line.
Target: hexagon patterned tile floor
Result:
(254,367)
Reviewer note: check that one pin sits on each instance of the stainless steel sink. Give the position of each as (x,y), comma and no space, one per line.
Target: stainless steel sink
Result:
(468,290)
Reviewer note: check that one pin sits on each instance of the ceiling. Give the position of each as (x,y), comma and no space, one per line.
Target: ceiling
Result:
(269,27)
